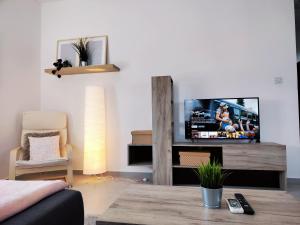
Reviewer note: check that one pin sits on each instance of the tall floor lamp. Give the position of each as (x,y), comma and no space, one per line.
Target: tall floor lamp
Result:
(94,131)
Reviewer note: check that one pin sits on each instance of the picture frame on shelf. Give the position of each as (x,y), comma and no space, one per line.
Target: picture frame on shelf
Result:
(97,50)
(65,51)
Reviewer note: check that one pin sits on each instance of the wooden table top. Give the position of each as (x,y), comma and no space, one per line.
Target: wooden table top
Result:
(167,205)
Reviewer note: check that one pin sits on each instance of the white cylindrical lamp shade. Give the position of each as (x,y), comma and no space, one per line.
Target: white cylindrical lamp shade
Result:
(94,131)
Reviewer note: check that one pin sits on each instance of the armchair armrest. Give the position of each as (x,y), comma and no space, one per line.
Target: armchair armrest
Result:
(13,157)
(67,151)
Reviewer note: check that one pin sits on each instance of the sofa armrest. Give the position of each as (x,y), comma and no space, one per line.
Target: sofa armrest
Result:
(13,157)
(67,151)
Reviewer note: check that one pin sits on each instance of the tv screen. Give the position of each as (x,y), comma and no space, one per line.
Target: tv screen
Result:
(225,118)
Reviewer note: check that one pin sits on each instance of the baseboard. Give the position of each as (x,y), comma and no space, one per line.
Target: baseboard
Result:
(78,172)
(294,181)
(130,175)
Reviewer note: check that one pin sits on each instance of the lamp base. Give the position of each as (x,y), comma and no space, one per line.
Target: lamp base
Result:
(102,177)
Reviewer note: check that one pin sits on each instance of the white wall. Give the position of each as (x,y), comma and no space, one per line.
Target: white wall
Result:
(212,48)
(19,70)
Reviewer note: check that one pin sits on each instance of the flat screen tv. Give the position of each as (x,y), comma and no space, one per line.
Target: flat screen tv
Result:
(223,118)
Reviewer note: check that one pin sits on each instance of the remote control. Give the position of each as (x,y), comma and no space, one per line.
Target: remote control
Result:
(234,206)
(245,205)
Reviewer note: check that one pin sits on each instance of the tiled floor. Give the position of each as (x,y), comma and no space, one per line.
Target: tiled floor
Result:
(99,192)
(294,189)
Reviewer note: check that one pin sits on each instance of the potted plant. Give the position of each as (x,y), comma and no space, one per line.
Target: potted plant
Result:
(81,47)
(211,181)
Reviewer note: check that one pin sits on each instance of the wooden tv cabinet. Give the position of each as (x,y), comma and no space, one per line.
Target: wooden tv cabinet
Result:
(263,160)
(250,164)
(258,165)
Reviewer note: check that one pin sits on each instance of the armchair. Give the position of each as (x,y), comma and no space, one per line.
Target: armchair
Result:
(41,122)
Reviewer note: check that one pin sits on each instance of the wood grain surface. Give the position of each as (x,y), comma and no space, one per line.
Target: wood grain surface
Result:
(165,205)
(254,157)
(85,69)
(162,132)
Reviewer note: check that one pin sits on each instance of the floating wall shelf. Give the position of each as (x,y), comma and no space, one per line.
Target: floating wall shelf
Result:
(85,69)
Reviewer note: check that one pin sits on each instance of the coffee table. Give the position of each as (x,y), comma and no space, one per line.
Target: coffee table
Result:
(166,205)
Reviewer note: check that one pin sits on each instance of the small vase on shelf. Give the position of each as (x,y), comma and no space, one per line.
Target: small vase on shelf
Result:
(83,63)
(81,48)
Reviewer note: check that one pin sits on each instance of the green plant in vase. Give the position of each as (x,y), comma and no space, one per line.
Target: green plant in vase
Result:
(81,47)
(211,180)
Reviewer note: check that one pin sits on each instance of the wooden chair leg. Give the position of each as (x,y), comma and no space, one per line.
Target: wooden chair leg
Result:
(70,175)
(12,173)
(12,165)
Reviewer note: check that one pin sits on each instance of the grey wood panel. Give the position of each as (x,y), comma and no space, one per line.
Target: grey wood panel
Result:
(162,131)
(165,205)
(254,157)
(283,180)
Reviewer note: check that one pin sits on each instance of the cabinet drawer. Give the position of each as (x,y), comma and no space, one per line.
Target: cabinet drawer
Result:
(254,157)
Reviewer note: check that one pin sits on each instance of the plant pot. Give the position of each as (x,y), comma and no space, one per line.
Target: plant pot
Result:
(212,198)
(83,63)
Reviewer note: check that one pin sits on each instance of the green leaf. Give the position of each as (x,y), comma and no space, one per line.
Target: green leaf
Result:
(81,48)
(211,175)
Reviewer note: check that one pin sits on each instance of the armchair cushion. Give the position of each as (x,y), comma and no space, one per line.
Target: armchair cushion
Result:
(42,148)
(26,144)
(44,163)
(62,133)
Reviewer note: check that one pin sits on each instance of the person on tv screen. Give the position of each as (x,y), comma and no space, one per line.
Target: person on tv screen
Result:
(250,132)
(242,134)
(220,111)
(222,115)
(238,126)
(251,129)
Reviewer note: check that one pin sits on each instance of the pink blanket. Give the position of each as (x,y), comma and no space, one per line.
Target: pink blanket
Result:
(15,196)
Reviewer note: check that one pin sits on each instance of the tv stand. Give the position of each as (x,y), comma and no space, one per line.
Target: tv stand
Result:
(261,160)
(250,164)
